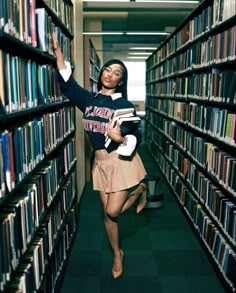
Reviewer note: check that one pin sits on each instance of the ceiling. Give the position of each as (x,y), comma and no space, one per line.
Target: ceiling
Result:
(132,16)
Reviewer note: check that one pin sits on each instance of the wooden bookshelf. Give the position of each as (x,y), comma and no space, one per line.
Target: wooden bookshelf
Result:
(191,126)
(92,66)
(38,191)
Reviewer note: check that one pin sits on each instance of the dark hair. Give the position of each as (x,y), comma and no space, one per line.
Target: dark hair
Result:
(120,88)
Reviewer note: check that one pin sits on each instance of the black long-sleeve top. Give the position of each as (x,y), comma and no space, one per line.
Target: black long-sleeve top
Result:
(97,111)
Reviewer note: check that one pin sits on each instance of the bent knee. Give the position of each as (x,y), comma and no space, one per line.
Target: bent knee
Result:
(112,214)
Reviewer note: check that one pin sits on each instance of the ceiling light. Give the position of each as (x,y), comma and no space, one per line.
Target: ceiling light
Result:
(148,33)
(126,33)
(140,53)
(103,33)
(137,57)
(142,48)
(168,1)
(157,1)
(106,1)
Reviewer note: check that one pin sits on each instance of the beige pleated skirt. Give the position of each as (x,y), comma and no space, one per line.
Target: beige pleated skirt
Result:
(112,172)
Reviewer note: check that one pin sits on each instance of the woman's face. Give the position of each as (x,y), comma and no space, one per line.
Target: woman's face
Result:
(112,76)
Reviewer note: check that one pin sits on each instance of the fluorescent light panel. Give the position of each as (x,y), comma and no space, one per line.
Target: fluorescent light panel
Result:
(142,48)
(106,1)
(168,1)
(102,33)
(147,1)
(148,33)
(137,57)
(127,33)
(140,53)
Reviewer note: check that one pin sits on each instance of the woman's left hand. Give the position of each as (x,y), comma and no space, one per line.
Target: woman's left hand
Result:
(114,131)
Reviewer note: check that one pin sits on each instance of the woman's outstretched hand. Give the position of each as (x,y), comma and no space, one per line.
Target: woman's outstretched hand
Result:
(55,43)
(57,50)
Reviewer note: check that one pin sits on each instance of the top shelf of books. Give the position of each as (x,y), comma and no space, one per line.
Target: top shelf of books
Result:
(210,18)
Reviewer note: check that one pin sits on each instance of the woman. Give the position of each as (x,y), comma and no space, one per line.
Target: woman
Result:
(118,171)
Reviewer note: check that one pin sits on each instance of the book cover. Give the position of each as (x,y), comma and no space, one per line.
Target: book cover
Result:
(41,16)
(2,92)
(26,85)
(232,88)
(33,23)
(126,112)
(6,159)
(13,82)
(21,20)
(29,70)
(18,150)
(2,175)
(127,125)
(22,85)
(11,156)
(7,88)
(34,83)
(26,13)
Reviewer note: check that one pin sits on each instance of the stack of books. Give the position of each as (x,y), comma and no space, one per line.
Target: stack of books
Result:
(127,121)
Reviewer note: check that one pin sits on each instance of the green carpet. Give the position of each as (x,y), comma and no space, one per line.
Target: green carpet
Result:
(162,254)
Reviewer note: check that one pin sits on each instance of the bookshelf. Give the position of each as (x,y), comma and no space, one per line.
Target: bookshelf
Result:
(92,66)
(190,126)
(38,191)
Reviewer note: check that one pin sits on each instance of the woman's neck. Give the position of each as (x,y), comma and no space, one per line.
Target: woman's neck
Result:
(107,92)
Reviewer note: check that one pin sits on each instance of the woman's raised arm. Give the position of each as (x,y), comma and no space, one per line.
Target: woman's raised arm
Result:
(57,50)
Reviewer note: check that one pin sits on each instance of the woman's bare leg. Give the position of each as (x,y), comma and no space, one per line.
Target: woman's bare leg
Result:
(138,194)
(113,204)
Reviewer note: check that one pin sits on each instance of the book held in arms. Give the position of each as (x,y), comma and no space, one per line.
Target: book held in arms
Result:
(127,121)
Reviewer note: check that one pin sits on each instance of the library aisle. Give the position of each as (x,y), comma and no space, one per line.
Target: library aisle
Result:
(162,254)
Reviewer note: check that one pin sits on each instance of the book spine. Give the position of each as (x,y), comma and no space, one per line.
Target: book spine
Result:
(32,19)
(6,159)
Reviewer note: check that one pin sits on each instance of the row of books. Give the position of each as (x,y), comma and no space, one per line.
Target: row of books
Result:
(94,58)
(93,72)
(57,126)
(30,275)
(44,29)
(199,25)
(63,10)
(213,238)
(22,148)
(216,49)
(222,166)
(213,85)
(214,121)
(93,85)
(214,161)
(173,131)
(59,255)
(218,123)
(207,154)
(20,221)
(18,18)
(211,16)
(25,84)
(222,209)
